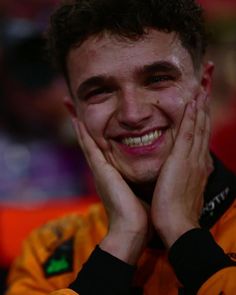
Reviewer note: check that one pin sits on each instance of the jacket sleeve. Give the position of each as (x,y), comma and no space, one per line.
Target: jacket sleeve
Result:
(27,274)
(104,274)
(201,265)
(101,274)
(64,292)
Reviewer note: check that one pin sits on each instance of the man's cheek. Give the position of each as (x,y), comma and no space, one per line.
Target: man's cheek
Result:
(95,127)
(97,120)
(175,111)
(173,107)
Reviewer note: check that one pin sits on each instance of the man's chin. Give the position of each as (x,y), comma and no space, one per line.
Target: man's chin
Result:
(143,179)
(143,187)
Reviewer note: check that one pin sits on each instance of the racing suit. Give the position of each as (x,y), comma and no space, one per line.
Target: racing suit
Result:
(63,257)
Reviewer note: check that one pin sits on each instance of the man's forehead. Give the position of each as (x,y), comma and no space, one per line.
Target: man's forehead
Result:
(107,39)
(121,59)
(99,48)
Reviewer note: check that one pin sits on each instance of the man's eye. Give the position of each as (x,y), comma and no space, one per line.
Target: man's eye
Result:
(158,79)
(97,92)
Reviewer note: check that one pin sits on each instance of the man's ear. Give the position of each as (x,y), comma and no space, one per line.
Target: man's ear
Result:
(206,78)
(70,106)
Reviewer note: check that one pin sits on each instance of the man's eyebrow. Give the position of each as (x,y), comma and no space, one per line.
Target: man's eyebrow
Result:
(160,66)
(92,82)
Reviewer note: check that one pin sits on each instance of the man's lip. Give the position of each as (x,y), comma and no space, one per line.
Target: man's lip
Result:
(121,136)
(142,150)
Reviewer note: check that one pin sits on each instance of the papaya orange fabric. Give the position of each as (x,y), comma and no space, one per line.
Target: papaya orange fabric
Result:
(154,273)
(17,223)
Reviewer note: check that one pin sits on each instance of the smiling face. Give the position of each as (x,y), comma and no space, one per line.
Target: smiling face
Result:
(131,95)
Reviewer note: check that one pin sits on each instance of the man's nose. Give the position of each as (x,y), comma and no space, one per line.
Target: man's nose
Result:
(133,109)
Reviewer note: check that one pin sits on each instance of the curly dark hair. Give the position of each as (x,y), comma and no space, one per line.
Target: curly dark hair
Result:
(76,20)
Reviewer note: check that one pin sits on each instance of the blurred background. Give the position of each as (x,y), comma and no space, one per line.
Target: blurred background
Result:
(43,172)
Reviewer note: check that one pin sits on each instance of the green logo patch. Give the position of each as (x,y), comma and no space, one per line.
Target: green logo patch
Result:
(61,261)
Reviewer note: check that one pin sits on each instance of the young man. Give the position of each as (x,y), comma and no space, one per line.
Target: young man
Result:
(139,103)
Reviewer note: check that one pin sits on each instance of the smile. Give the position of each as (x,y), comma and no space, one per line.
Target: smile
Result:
(144,140)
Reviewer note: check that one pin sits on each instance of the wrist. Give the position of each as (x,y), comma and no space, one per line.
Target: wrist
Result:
(170,232)
(126,246)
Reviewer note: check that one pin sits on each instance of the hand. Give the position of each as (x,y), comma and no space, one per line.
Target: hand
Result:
(178,195)
(128,222)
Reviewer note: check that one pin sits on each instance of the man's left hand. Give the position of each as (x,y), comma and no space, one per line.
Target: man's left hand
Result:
(178,196)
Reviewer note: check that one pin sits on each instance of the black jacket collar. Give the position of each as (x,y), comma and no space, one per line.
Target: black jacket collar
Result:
(219,194)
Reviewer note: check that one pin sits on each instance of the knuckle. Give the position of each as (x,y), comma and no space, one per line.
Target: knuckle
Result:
(191,117)
(200,131)
(189,163)
(188,136)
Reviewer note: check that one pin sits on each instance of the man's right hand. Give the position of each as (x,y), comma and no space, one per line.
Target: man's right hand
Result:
(128,220)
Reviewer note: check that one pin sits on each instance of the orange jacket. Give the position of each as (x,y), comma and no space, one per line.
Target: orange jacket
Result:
(53,256)
(154,272)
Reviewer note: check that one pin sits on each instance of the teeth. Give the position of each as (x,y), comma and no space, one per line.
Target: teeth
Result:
(147,139)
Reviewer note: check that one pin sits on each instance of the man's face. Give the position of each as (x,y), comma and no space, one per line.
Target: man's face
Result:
(131,96)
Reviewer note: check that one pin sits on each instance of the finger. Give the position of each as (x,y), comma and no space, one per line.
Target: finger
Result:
(206,141)
(184,139)
(200,128)
(117,197)
(91,151)
(101,169)
(207,133)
